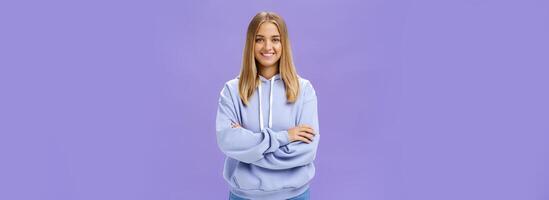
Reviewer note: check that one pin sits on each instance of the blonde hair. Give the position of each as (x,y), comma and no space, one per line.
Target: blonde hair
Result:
(249,76)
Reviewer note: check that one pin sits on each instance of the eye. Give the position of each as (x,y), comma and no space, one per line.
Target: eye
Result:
(258,39)
(276,40)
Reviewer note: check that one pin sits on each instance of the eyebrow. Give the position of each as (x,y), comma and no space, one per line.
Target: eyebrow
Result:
(264,36)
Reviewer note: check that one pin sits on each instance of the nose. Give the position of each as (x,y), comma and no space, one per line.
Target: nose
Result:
(268,45)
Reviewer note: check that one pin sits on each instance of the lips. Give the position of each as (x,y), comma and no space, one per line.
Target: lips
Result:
(267,55)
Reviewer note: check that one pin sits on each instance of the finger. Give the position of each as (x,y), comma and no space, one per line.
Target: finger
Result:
(307,135)
(308,130)
(235,125)
(304,139)
(305,125)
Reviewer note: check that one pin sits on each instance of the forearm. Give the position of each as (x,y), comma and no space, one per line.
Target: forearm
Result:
(292,155)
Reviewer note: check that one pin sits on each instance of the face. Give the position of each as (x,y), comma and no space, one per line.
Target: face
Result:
(268,48)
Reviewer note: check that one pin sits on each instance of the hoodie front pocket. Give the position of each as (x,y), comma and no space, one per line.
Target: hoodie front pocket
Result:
(251,177)
(245,180)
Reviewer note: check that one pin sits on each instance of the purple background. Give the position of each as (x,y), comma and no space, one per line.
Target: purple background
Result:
(418,99)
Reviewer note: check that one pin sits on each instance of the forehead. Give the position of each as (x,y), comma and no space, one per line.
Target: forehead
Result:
(268,29)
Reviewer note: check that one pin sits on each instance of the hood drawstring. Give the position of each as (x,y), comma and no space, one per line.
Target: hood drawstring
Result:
(270,106)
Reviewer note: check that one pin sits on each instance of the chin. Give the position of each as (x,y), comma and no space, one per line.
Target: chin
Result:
(267,63)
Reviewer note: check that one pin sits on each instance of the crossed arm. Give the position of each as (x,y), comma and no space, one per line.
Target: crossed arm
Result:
(269,149)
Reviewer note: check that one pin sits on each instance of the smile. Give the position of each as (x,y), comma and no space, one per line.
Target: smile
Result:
(268,55)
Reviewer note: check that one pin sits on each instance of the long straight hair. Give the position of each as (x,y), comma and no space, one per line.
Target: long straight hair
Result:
(249,76)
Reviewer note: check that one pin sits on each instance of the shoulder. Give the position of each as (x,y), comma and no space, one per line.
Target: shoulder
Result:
(305,84)
(232,84)
(306,89)
(230,88)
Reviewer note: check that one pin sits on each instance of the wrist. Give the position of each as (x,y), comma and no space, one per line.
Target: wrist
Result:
(283,138)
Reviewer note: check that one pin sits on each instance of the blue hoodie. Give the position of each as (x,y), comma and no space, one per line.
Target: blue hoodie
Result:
(261,163)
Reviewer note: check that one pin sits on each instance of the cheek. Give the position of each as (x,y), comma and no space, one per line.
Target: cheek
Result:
(257,49)
(278,49)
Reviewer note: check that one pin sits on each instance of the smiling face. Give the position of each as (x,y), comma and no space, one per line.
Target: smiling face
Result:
(266,41)
(268,48)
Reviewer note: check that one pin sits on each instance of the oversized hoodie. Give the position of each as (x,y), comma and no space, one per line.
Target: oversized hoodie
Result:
(261,163)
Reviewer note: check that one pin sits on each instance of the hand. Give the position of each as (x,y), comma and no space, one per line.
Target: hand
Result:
(302,132)
(235,125)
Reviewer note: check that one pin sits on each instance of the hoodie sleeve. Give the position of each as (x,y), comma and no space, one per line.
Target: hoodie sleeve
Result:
(240,143)
(297,153)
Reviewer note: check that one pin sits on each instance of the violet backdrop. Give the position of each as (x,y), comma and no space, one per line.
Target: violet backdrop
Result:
(418,99)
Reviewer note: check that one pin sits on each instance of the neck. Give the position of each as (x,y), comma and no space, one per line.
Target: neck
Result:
(268,72)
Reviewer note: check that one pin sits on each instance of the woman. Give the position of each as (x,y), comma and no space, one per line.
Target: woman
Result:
(267,123)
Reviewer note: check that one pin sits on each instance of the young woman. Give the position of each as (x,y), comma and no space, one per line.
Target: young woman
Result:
(267,123)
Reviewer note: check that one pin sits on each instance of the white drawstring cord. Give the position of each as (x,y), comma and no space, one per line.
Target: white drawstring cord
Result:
(260,109)
(270,106)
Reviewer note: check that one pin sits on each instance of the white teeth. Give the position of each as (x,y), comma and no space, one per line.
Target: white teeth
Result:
(267,54)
